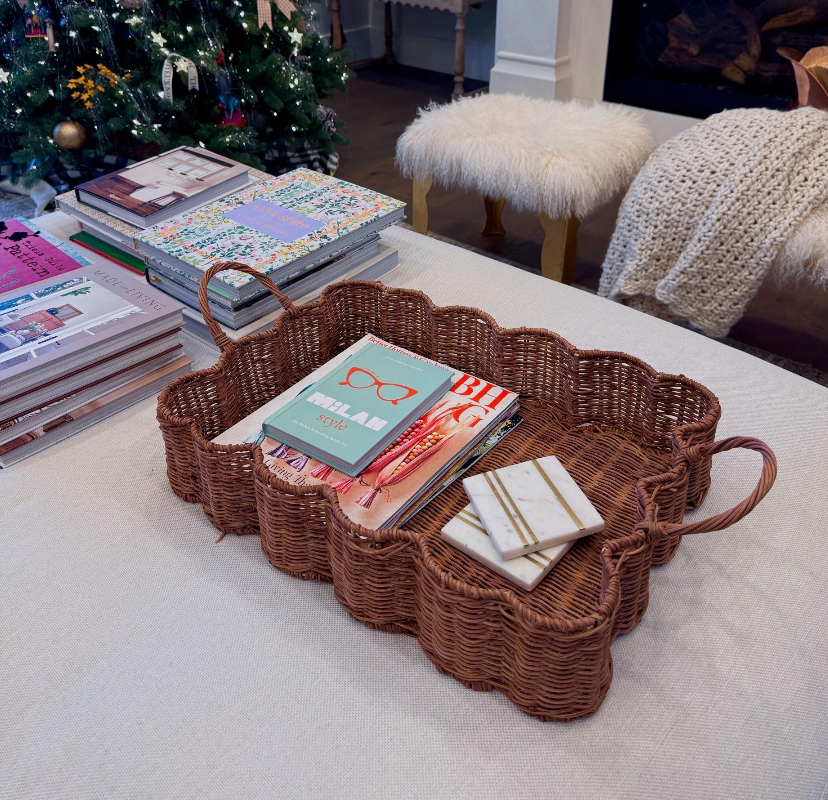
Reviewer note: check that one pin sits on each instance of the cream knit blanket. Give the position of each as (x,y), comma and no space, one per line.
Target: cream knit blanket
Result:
(710,210)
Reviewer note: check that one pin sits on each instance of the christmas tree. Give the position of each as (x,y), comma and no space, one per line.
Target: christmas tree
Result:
(239,77)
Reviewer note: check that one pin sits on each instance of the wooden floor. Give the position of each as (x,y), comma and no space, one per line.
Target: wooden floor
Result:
(789,321)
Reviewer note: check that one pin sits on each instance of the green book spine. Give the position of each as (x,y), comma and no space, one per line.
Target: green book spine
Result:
(102,248)
(359,405)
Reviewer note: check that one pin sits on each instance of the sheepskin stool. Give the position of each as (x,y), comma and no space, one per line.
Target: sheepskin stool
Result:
(560,160)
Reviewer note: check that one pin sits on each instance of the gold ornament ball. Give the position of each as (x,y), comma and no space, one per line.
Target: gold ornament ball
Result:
(69,135)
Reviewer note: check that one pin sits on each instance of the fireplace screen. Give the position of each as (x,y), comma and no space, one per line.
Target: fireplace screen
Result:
(697,57)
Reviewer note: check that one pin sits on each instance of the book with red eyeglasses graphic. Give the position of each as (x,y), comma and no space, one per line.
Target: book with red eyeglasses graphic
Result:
(360,406)
(408,468)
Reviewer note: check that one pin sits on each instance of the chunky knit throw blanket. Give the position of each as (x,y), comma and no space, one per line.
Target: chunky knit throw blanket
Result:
(710,210)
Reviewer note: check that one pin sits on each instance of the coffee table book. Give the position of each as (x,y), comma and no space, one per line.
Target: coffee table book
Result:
(372,259)
(359,406)
(55,241)
(41,408)
(160,187)
(91,412)
(530,506)
(385,260)
(277,227)
(109,251)
(72,321)
(105,226)
(64,384)
(26,257)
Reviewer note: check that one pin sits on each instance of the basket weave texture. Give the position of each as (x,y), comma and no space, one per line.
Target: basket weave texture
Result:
(638,442)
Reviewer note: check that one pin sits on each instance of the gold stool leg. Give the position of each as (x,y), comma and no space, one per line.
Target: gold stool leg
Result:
(421,189)
(493,226)
(560,247)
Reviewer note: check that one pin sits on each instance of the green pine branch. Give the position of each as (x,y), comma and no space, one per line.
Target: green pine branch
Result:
(277,77)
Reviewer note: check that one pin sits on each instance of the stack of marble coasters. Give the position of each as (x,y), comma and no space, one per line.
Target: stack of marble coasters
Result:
(522,519)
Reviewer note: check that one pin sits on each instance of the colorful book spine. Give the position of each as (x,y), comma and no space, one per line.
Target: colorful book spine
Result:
(109,252)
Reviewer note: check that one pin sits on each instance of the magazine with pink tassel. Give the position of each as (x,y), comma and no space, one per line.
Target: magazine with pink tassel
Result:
(468,417)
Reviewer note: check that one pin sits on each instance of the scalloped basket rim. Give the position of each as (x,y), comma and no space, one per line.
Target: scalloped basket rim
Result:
(604,611)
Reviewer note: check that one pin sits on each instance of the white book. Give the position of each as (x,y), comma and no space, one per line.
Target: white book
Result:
(92,412)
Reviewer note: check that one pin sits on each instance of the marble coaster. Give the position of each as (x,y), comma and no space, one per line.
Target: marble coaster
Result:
(530,506)
(466,533)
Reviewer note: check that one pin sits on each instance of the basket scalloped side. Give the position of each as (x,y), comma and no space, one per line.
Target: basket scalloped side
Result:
(621,428)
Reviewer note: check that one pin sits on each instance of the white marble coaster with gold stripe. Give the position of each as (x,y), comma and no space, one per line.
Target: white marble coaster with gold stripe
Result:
(530,506)
(466,533)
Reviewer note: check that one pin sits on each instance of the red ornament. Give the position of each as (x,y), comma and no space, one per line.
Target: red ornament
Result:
(235,120)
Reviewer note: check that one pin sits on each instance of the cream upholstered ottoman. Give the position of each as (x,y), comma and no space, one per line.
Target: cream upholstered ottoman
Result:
(561,160)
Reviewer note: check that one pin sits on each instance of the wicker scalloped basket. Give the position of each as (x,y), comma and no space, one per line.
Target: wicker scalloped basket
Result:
(638,442)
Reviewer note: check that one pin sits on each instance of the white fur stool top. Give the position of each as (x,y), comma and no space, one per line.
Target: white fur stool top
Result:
(556,158)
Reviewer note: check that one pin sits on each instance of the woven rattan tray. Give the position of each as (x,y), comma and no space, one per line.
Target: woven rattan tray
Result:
(638,442)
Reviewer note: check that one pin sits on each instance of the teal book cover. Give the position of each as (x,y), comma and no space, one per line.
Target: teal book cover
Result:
(349,414)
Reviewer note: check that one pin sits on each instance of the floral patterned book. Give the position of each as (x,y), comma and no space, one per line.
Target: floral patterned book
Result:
(410,467)
(271,226)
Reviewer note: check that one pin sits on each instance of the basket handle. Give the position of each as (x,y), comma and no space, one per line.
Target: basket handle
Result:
(219,337)
(724,520)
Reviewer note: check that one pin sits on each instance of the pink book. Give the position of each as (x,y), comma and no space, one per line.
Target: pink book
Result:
(26,257)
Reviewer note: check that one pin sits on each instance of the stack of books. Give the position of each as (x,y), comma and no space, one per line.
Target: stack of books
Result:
(79,341)
(113,209)
(173,217)
(387,428)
